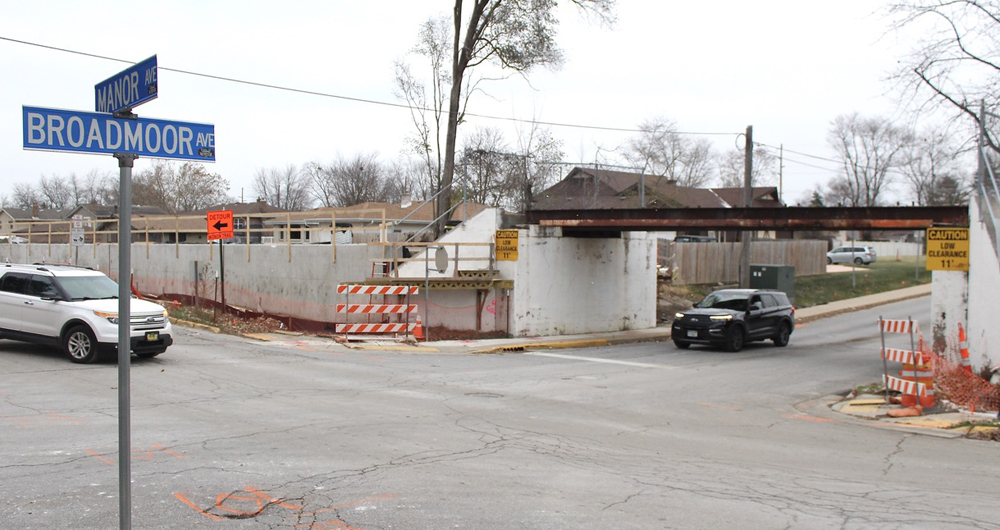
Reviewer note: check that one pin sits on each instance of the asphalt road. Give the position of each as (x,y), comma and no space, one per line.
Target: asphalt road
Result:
(232,433)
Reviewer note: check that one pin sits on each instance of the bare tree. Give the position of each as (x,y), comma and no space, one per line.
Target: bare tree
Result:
(956,62)
(99,187)
(485,166)
(931,167)
(24,196)
(660,150)
(427,104)
(285,188)
(536,167)
(350,181)
(55,192)
(178,189)
(516,35)
(732,168)
(869,149)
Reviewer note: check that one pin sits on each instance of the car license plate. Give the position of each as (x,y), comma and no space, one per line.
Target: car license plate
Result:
(692,333)
(152,335)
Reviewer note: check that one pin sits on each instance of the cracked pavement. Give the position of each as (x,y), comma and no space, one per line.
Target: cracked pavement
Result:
(232,433)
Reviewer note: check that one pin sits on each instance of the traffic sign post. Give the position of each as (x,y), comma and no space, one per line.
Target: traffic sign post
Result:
(115,130)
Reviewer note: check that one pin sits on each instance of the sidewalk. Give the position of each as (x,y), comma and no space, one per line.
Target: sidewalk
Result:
(935,421)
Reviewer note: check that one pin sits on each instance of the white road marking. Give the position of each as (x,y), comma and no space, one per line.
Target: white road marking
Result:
(599,360)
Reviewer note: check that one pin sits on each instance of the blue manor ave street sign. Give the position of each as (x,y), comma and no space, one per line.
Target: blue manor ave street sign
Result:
(127,89)
(91,132)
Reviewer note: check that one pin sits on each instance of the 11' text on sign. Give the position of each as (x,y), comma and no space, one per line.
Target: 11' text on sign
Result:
(506,245)
(948,249)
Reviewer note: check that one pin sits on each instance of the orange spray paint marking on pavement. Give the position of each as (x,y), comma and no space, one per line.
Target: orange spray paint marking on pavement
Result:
(807,418)
(105,460)
(183,499)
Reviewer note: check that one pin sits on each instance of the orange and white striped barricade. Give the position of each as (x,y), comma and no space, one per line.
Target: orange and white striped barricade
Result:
(903,386)
(908,326)
(385,310)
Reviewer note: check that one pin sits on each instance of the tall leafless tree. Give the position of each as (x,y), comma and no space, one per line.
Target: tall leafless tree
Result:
(732,168)
(931,166)
(516,35)
(485,166)
(661,150)
(24,196)
(956,61)
(350,181)
(427,100)
(535,168)
(177,189)
(869,150)
(283,187)
(55,192)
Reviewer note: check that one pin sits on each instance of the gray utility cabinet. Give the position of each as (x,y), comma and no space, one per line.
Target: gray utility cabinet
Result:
(777,277)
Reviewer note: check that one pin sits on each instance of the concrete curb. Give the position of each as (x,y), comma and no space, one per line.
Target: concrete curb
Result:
(553,345)
(188,323)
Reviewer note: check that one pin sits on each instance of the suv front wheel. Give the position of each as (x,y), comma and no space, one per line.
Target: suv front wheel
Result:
(735,339)
(81,345)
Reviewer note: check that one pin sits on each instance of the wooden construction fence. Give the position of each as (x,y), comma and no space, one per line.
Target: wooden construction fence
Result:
(719,263)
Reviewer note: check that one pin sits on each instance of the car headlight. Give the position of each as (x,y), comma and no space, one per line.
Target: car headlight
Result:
(721,317)
(112,317)
(678,316)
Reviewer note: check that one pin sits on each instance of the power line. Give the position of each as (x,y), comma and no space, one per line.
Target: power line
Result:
(352,98)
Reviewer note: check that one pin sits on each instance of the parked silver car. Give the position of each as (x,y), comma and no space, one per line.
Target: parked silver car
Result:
(859,255)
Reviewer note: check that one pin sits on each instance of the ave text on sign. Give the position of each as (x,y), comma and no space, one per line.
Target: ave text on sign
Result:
(127,89)
(92,132)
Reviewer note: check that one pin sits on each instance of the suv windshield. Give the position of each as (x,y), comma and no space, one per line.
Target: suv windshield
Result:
(724,300)
(89,287)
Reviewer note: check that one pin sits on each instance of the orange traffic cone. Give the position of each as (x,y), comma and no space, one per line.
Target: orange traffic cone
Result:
(963,346)
(418,330)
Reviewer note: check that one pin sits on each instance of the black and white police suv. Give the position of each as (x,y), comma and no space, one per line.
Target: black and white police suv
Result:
(76,309)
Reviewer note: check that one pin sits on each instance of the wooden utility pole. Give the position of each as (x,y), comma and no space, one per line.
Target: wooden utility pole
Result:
(746,235)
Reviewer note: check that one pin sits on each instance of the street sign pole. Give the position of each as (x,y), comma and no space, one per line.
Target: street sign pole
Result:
(125,163)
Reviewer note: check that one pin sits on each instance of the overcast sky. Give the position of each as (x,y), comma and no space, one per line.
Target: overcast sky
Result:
(786,67)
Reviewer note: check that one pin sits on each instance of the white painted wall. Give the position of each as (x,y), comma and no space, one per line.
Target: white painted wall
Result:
(984,294)
(562,285)
(304,287)
(949,307)
(566,285)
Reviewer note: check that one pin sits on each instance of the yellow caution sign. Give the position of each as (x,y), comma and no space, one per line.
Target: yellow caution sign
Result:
(948,249)
(506,245)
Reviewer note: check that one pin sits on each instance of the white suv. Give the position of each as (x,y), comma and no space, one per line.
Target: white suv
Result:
(77,309)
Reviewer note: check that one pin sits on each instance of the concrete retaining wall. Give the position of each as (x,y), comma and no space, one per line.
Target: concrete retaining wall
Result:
(561,285)
(578,285)
(984,292)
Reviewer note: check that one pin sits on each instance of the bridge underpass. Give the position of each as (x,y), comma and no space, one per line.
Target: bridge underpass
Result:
(604,222)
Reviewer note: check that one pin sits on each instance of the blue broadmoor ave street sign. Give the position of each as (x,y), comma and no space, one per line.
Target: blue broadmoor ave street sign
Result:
(91,132)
